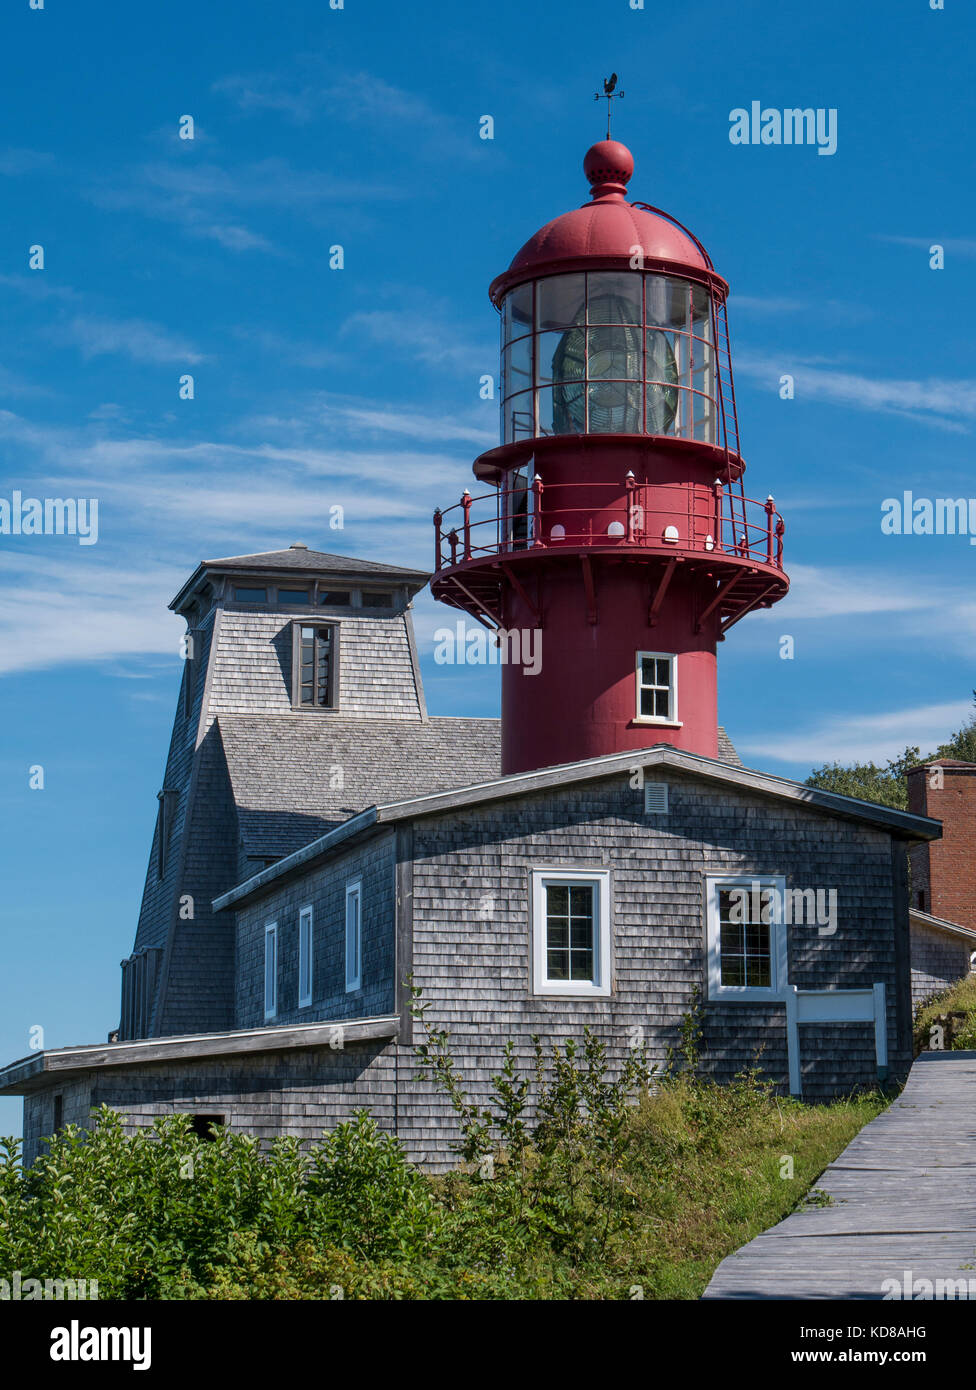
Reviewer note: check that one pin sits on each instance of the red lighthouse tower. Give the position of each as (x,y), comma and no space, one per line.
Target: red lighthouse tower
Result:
(616,533)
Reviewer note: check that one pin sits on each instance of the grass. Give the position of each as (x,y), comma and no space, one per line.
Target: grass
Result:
(958,998)
(715,1167)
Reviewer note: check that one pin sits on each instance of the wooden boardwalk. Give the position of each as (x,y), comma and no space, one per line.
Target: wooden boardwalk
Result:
(903,1204)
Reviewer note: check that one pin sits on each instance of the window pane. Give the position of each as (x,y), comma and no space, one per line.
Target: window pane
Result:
(557,899)
(559,301)
(733,970)
(667,301)
(242,595)
(557,965)
(614,408)
(613,353)
(377,600)
(614,297)
(335,598)
(581,899)
(744,938)
(517,312)
(701,311)
(517,367)
(518,414)
(557,359)
(662,409)
(293,596)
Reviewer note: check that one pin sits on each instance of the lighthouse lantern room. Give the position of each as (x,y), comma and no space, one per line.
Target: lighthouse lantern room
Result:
(615,520)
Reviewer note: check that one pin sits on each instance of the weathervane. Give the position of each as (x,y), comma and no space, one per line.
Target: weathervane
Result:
(609,83)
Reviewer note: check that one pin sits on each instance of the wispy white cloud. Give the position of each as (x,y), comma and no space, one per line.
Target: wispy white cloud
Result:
(96,334)
(861,737)
(937,402)
(959,246)
(313,88)
(14,162)
(143,342)
(209,200)
(428,337)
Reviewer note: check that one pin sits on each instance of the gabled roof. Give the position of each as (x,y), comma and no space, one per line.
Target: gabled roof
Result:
(298,559)
(925,919)
(900,824)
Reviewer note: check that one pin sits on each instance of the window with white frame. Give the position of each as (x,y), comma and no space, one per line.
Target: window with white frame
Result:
(657,687)
(304,957)
(746,937)
(270,969)
(571,932)
(354,934)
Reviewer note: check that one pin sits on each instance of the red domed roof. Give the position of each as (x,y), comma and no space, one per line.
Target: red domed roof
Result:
(606,229)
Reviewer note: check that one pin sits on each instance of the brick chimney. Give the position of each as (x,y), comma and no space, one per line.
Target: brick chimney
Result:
(944,871)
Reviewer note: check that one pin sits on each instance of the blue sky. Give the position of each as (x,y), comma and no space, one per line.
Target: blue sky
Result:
(360,127)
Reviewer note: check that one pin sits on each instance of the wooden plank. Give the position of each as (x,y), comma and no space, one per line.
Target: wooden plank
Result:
(902,1205)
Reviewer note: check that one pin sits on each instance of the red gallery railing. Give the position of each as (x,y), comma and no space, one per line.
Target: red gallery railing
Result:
(659,516)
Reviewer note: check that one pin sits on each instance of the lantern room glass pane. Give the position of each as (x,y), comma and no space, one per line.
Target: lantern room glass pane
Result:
(517,312)
(614,407)
(614,297)
(559,302)
(701,312)
(519,417)
(614,353)
(667,302)
(662,408)
(517,367)
(647,331)
(555,365)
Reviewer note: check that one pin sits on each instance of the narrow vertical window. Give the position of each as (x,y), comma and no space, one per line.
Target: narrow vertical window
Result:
(304,957)
(354,934)
(657,694)
(315,667)
(189,672)
(270,970)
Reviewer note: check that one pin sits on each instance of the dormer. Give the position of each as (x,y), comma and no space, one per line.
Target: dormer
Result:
(304,632)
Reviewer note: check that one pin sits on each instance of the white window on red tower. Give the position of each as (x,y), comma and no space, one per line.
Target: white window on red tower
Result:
(657,688)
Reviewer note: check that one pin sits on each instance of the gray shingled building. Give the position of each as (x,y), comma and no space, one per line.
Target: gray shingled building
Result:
(320,837)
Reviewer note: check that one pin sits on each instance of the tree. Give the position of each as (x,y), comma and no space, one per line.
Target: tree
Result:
(888,785)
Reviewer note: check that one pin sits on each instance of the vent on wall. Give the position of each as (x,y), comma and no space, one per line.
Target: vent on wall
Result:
(656,798)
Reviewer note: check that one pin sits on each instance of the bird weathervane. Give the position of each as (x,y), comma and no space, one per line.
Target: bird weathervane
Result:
(608,93)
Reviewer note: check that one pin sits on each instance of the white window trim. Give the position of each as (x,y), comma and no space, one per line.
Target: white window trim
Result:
(777,940)
(599,988)
(672,721)
(271,934)
(306,954)
(355,889)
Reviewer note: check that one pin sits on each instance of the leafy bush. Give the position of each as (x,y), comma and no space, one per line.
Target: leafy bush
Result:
(573,1184)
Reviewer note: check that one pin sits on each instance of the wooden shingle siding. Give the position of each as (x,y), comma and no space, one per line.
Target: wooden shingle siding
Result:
(253,665)
(471,931)
(324,889)
(300,1093)
(938,960)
